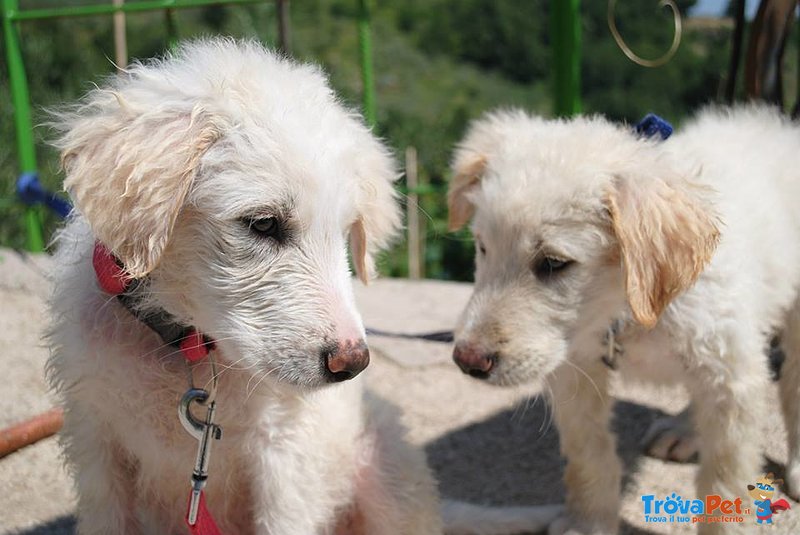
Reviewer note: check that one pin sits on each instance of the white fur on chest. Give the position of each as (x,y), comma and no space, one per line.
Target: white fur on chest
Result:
(642,356)
(277,444)
(650,357)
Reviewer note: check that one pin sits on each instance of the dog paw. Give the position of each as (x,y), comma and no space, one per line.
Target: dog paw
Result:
(569,525)
(672,438)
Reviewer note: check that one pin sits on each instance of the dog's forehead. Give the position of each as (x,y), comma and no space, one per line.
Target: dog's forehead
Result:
(542,170)
(314,187)
(264,164)
(526,202)
(532,195)
(285,139)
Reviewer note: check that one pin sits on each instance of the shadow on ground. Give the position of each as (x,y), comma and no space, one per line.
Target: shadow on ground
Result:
(63,525)
(513,457)
(510,458)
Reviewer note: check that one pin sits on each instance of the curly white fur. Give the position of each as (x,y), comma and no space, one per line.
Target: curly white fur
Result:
(695,240)
(167,166)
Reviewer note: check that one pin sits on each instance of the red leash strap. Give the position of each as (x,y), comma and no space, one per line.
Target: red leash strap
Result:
(205,524)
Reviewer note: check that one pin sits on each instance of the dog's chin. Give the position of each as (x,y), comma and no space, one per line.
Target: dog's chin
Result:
(504,378)
(265,377)
(288,383)
(518,372)
(296,379)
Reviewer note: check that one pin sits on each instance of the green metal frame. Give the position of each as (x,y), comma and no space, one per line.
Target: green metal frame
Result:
(365,52)
(566,37)
(20,95)
(565,27)
(12,11)
(26,148)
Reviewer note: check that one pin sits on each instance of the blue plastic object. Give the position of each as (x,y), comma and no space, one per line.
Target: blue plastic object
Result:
(653,125)
(31,192)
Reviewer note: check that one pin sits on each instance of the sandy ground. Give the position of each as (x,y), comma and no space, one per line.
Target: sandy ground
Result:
(485,444)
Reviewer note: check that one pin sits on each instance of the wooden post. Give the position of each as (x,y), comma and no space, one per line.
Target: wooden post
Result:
(423,227)
(412,214)
(764,60)
(284,27)
(736,51)
(120,38)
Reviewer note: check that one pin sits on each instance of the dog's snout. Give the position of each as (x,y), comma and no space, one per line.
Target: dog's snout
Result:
(473,361)
(345,360)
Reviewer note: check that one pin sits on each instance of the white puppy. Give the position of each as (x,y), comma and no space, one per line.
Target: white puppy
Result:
(228,180)
(685,252)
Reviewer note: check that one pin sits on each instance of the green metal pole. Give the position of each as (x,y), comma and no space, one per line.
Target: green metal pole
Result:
(172,28)
(365,52)
(565,27)
(109,9)
(20,99)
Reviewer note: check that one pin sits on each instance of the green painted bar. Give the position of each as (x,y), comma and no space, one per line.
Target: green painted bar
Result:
(565,27)
(367,75)
(171,23)
(85,11)
(20,99)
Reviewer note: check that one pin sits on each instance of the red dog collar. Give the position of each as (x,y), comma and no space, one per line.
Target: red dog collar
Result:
(113,279)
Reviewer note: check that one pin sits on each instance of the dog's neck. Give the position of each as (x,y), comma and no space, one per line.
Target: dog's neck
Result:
(130,292)
(613,344)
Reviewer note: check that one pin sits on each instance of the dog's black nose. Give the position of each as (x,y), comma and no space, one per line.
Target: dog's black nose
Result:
(472,361)
(345,360)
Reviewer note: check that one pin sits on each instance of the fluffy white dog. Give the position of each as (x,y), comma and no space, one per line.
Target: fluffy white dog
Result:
(227,181)
(216,192)
(686,253)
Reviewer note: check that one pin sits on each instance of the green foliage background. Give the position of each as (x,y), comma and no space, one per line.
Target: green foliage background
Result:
(438,64)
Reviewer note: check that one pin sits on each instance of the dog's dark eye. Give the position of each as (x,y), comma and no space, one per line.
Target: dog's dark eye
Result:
(266,227)
(481,247)
(549,266)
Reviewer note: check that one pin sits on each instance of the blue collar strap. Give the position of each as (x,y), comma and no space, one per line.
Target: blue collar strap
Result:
(653,125)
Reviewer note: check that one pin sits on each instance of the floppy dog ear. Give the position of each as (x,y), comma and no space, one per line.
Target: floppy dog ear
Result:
(378,210)
(129,164)
(484,139)
(362,260)
(667,233)
(467,169)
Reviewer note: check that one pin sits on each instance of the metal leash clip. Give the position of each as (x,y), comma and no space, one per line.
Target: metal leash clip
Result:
(611,341)
(204,432)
